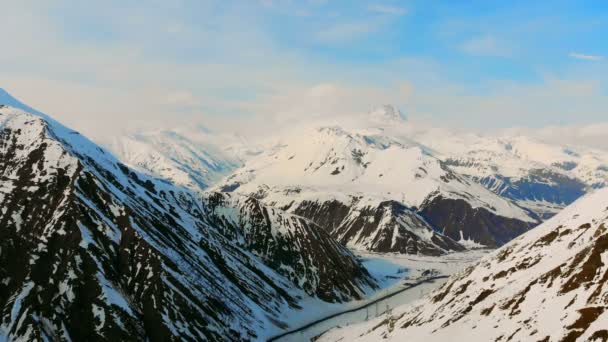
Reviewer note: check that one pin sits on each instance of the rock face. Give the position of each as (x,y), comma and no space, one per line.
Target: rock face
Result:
(377,192)
(92,250)
(382,227)
(550,284)
(460,221)
(293,246)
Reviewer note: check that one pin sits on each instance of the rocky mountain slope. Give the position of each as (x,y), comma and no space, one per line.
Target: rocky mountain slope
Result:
(374,224)
(295,247)
(351,181)
(93,250)
(550,284)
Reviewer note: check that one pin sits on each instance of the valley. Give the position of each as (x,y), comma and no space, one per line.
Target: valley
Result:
(303,171)
(333,228)
(403,279)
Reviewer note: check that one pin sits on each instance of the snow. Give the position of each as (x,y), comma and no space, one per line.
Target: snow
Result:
(100,314)
(468,243)
(333,160)
(16,216)
(393,271)
(515,157)
(193,158)
(113,296)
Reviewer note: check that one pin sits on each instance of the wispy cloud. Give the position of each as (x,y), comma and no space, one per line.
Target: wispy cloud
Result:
(486,46)
(384,9)
(585,57)
(249,60)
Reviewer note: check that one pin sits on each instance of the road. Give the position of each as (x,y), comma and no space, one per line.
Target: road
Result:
(321,320)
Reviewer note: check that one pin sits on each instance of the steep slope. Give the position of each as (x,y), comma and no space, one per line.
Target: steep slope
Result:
(551,284)
(91,249)
(195,158)
(297,248)
(369,223)
(314,167)
(539,176)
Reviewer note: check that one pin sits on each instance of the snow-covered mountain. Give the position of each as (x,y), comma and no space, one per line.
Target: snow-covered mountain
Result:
(345,179)
(373,224)
(350,174)
(551,284)
(93,250)
(539,176)
(194,157)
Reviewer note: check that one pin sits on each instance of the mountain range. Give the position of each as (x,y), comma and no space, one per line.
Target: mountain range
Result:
(383,184)
(93,250)
(192,234)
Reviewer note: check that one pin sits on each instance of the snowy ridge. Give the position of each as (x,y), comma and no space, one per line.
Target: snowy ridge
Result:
(365,223)
(109,252)
(549,284)
(184,158)
(333,159)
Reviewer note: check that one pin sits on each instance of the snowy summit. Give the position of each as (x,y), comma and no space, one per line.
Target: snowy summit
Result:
(387,114)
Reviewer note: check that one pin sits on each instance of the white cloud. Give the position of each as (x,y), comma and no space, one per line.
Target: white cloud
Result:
(594,58)
(590,135)
(384,9)
(487,45)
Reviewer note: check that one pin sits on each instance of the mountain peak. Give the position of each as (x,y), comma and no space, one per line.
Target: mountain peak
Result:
(387,113)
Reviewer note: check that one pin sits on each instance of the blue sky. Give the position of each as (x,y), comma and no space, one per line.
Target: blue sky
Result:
(477,64)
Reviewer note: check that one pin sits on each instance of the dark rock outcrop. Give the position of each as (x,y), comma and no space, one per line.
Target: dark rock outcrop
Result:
(383,227)
(457,219)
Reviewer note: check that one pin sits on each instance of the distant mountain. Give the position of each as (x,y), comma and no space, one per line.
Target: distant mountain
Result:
(551,284)
(387,115)
(541,177)
(376,191)
(193,157)
(93,250)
